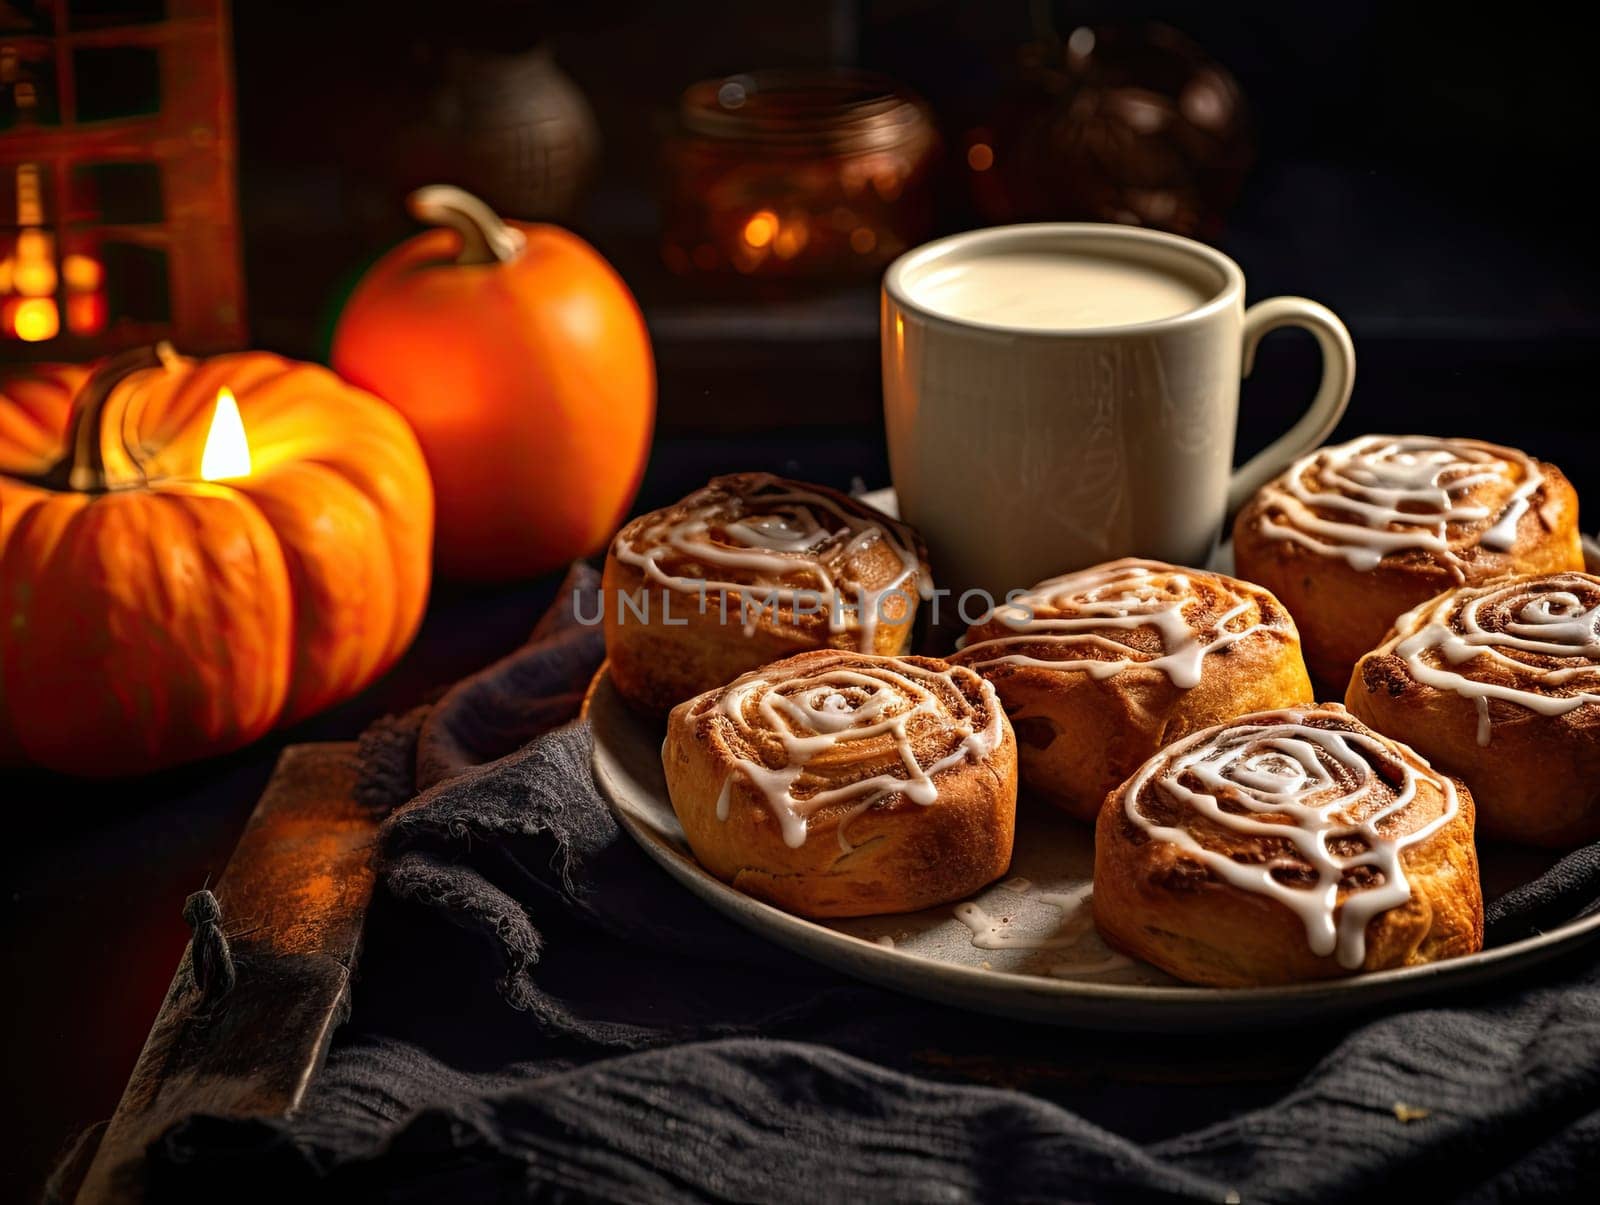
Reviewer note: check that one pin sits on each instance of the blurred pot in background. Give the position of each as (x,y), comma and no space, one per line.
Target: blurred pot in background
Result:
(1115,123)
(513,128)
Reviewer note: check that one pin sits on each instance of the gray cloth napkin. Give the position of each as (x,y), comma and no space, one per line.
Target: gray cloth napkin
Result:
(543,1013)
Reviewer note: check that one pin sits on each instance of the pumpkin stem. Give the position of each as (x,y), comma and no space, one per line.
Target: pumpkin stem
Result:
(83,468)
(485,239)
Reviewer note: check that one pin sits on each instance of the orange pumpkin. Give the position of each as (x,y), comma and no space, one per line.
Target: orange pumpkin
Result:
(149,616)
(522,362)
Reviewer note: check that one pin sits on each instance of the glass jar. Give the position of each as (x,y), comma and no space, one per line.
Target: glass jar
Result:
(792,175)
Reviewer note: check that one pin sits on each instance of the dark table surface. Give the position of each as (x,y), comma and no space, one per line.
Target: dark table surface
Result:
(94,875)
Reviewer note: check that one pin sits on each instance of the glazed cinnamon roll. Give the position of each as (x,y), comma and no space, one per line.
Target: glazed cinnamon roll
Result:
(1353,535)
(1099,669)
(841,784)
(1286,846)
(1500,684)
(748,570)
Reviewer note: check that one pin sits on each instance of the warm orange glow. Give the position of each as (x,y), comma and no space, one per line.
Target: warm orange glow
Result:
(30,199)
(86,313)
(227,451)
(862,240)
(36,320)
(34,277)
(792,238)
(980,157)
(761,228)
(83,272)
(34,272)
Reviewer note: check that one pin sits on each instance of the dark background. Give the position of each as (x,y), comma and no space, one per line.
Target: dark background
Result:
(1425,173)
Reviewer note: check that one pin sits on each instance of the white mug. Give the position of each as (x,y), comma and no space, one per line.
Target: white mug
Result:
(1025,450)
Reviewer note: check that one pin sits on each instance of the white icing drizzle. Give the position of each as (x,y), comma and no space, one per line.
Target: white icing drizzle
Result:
(781,531)
(991,933)
(996,933)
(1080,610)
(850,704)
(1446,644)
(1278,765)
(844,823)
(1398,492)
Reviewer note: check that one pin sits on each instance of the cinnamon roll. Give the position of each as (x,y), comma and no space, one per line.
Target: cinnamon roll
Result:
(1099,669)
(1353,535)
(842,784)
(747,570)
(1500,684)
(1286,846)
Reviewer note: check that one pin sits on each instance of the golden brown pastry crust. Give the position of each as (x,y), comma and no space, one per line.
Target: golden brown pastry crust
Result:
(678,649)
(1082,724)
(1462,679)
(896,853)
(1344,605)
(1160,902)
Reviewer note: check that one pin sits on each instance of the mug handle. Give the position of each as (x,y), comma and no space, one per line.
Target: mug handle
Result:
(1338,377)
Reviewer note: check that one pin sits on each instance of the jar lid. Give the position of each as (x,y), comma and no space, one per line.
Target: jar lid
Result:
(804,110)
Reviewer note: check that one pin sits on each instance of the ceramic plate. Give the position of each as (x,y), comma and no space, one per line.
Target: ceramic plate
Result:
(1026,946)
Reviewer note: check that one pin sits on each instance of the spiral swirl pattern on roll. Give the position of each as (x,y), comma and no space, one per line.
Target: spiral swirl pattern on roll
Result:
(1130,612)
(1531,641)
(1308,808)
(756,534)
(850,729)
(1381,494)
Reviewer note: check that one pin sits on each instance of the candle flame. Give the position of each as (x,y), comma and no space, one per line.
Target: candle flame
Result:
(227,451)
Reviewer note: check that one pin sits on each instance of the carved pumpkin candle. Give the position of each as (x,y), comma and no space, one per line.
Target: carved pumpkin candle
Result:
(192,552)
